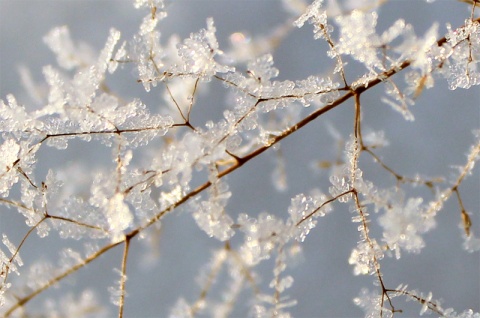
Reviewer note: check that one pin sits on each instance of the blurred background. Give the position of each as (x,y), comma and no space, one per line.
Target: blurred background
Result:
(324,282)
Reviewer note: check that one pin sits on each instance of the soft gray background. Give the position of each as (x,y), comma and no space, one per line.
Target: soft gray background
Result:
(324,284)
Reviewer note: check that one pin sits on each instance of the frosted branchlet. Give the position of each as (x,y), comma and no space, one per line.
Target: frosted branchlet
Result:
(116,291)
(303,212)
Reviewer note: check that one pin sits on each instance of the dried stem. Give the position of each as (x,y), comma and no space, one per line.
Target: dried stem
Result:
(464,171)
(431,305)
(123,277)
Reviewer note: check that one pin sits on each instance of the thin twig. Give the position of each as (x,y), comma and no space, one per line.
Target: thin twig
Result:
(123,277)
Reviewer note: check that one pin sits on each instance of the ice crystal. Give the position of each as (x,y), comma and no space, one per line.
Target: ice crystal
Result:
(3,289)
(262,68)
(149,52)
(211,215)
(261,236)
(403,226)
(69,257)
(312,14)
(181,309)
(118,214)
(71,305)
(471,243)
(198,52)
(277,310)
(13,251)
(69,55)
(303,212)
(148,3)
(279,176)
(14,119)
(116,290)
(211,218)
(8,173)
(450,313)
(365,258)
(419,50)
(358,37)
(371,303)
(317,90)
(400,102)
(463,66)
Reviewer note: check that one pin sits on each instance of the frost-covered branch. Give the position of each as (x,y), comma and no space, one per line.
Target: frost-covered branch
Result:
(164,160)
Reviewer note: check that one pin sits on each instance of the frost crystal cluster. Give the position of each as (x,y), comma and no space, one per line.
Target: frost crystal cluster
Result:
(161,155)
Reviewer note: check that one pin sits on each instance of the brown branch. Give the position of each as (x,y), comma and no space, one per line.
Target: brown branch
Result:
(61,218)
(431,305)
(306,217)
(123,278)
(15,204)
(18,249)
